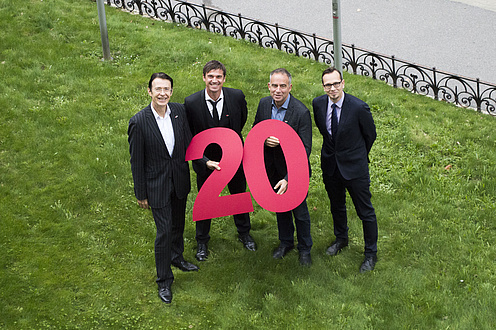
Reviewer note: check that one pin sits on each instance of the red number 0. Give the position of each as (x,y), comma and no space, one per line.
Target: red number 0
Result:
(209,204)
(296,162)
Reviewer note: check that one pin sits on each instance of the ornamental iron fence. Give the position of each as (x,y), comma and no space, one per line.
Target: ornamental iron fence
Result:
(440,85)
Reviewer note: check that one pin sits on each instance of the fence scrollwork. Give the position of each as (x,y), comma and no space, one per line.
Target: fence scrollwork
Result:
(459,90)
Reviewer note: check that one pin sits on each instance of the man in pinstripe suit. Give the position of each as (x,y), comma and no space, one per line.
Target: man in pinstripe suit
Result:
(158,138)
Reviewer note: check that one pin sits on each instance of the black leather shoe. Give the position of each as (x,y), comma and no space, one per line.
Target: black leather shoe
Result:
(201,252)
(281,251)
(184,265)
(165,294)
(248,242)
(336,247)
(368,264)
(305,259)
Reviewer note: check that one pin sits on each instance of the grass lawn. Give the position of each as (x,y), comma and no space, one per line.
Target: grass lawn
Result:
(77,252)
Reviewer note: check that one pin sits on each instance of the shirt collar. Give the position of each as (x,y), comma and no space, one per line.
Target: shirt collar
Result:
(157,116)
(207,97)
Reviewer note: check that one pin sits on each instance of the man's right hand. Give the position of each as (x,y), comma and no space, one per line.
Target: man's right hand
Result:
(272,141)
(143,204)
(211,165)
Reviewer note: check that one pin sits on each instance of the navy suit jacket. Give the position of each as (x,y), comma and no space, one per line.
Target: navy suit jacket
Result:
(199,118)
(298,117)
(155,173)
(353,141)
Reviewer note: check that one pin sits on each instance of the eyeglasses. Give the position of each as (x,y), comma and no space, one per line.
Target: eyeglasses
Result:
(335,85)
(162,90)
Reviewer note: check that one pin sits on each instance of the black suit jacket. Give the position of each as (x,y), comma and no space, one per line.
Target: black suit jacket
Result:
(354,139)
(199,118)
(155,173)
(298,117)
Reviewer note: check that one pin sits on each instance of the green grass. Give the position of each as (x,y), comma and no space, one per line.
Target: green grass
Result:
(77,252)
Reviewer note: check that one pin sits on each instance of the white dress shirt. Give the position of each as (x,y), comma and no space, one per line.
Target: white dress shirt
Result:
(165,126)
(220,104)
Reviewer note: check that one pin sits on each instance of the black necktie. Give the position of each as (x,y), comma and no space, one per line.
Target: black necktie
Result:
(334,122)
(215,114)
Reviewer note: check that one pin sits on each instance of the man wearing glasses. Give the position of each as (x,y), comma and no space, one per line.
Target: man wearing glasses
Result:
(348,131)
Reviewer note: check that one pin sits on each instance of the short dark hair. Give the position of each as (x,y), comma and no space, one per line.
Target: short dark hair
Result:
(213,65)
(160,75)
(331,70)
(282,71)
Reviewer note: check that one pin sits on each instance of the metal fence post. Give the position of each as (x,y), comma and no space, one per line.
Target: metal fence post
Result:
(103,30)
(336,24)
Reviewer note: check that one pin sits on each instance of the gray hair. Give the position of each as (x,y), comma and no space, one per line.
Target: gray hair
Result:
(282,71)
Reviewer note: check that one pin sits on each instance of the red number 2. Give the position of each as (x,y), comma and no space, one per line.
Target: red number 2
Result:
(209,205)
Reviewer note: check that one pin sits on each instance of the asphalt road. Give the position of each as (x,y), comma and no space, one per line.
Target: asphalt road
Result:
(454,36)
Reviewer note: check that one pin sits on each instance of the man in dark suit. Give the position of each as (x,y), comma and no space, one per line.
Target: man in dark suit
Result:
(348,131)
(158,138)
(218,106)
(281,105)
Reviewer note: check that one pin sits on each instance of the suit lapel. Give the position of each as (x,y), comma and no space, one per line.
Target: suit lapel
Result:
(268,109)
(152,124)
(322,113)
(175,126)
(227,103)
(289,112)
(345,113)
(204,113)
